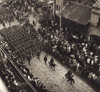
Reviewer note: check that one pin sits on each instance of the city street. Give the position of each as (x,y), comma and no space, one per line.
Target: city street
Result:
(50,45)
(55,80)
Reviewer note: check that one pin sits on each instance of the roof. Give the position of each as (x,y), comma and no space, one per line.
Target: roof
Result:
(78,13)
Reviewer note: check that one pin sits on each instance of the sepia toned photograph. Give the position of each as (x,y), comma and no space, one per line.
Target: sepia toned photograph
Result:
(49,45)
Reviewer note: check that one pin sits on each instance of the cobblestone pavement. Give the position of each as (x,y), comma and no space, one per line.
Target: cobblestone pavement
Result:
(55,80)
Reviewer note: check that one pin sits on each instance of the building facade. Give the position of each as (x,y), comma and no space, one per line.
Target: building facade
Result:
(75,17)
(95,19)
(95,15)
(60,4)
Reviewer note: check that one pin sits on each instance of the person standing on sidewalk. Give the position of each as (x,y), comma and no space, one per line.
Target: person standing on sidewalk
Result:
(45,59)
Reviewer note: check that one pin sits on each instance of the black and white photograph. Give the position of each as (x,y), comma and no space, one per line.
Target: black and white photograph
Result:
(49,45)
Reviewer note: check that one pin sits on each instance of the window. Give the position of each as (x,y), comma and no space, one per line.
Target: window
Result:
(98,22)
(57,7)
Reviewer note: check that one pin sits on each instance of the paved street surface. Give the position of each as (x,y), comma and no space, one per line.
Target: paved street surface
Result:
(55,80)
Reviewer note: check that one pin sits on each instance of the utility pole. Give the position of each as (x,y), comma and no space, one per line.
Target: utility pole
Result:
(60,21)
(54,9)
(47,10)
(46,2)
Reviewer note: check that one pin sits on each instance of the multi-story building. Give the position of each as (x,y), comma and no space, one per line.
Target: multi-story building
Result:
(95,18)
(95,15)
(94,29)
(80,17)
(60,4)
(76,17)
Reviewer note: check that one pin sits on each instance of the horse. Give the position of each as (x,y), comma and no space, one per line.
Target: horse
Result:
(52,65)
(70,78)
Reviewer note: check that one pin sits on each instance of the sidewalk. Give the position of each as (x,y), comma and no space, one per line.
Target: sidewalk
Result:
(55,80)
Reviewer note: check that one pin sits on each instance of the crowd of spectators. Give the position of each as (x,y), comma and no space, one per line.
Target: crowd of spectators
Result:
(34,80)
(9,78)
(69,47)
(74,50)
(21,8)
(13,84)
